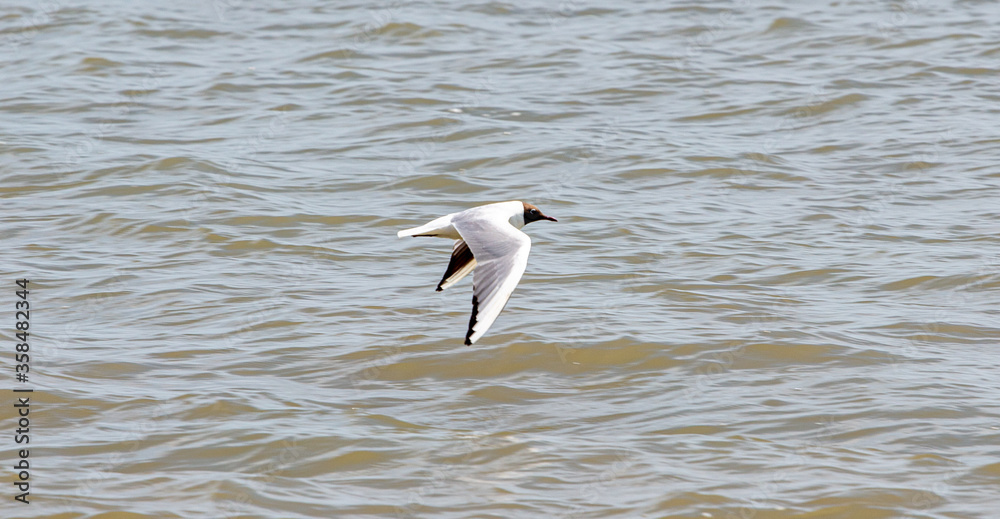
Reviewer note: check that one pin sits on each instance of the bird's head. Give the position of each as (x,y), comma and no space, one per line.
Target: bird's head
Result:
(533,214)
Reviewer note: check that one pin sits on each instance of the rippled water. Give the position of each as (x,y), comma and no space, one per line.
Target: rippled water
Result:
(771,292)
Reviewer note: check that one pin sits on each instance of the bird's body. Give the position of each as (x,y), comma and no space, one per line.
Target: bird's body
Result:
(488,240)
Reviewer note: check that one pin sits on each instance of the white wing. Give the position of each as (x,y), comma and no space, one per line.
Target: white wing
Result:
(501,253)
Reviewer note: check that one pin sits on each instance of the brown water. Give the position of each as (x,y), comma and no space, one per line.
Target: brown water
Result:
(771,292)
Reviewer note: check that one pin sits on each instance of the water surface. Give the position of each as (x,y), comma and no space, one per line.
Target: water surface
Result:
(771,292)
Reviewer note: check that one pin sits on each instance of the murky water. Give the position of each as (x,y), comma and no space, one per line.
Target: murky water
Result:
(771,292)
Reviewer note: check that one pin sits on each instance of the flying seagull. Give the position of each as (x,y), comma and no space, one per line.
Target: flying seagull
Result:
(487,237)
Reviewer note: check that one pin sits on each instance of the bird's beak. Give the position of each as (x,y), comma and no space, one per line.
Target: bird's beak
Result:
(549,218)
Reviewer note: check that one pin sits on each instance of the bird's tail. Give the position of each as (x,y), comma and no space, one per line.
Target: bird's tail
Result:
(432,228)
(416,231)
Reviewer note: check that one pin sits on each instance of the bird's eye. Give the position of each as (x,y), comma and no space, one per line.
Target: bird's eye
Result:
(534,211)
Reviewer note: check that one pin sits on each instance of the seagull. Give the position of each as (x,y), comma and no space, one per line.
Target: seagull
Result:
(487,237)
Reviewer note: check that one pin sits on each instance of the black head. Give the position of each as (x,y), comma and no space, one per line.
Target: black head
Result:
(533,214)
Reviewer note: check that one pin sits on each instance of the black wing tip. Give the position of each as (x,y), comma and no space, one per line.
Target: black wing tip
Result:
(472,320)
(438,289)
(460,257)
